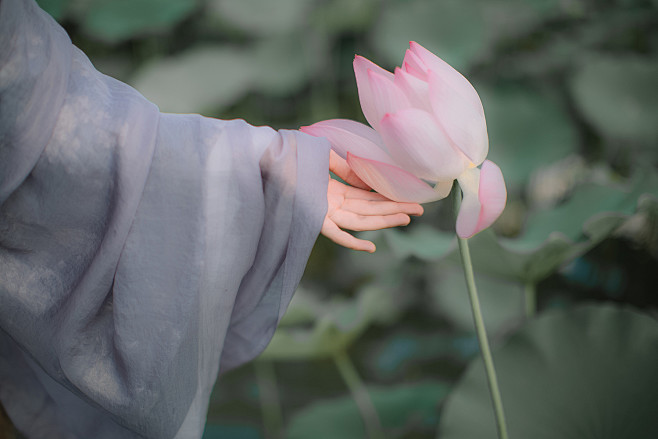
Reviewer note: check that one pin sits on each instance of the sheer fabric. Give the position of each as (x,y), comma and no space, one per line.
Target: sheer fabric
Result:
(141,253)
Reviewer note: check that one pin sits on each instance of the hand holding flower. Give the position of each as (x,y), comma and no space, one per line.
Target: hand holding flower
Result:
(428,129)
(356,208)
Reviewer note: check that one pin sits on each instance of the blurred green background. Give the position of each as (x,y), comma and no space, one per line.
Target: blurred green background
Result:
(570,93)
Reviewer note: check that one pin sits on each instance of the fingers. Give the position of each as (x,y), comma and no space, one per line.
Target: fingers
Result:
(361,194)
(340,237)
(339,166)
(353,221)
(353,193)
(371,203)
(356,197)
(381,207)
(359,209)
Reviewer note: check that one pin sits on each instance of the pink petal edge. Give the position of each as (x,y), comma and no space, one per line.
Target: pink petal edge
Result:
(363,68)
(413,65)
(347,136)
(481,206)
(492,193)
(386,97)
(449,74)
(462,122)
(396,183)
(418,145)
(364,64)
(469,211)
(416,90)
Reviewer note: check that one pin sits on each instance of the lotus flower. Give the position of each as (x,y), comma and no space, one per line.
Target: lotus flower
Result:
(428,129)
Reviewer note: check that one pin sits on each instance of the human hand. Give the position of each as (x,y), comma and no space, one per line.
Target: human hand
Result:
(356,208)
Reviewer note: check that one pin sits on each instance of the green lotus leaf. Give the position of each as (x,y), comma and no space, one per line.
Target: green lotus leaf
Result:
(335,323)
(117,20)
(221,431)
(422,241)
(378,265)
(398,353)
(263,17)
(459,31)
(630,83)
(304,309)
(190,82)
(56,8)
(400,408)
(452,29)
(338,16)
(280,66)
(527,129)
(555,236)
(501,300)
(551,237)
(587,372)
(214,77)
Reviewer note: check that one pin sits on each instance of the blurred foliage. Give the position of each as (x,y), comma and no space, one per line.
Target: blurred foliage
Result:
(334,323)
(402,409)
(585,372)
(570,92)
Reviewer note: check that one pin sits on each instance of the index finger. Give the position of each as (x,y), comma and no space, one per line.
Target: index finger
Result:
(339,166)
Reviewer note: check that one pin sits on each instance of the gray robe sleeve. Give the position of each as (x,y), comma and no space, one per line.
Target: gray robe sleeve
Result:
(141,253)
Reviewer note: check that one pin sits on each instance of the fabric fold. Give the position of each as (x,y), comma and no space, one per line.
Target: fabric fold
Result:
(140,253)
(34,73)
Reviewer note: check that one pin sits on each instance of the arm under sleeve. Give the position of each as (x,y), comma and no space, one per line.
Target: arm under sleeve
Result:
(140,253)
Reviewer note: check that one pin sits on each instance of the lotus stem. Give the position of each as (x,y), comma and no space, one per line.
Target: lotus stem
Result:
(530,300)
(360,395)
(492,378)
(270,403)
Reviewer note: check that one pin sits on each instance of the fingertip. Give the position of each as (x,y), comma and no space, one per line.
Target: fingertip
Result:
(413,209)
(365,246)
(368,248)
(417,210)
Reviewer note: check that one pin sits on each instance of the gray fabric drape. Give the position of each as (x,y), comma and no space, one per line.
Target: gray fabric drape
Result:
(140,253)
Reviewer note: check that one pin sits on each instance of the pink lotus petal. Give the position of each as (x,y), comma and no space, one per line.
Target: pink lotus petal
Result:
(419,145)
(492,193)
(462,122)
(386,97)
(350,136)
(414,65)
(362,65)
(448,74)
(469,211)
(484,199)
(361,68)
(416,90)
(350,125)
(396,183)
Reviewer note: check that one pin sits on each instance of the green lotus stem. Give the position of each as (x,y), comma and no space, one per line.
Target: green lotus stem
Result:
(480,329)
(530,300)
(360,395)
(269,398)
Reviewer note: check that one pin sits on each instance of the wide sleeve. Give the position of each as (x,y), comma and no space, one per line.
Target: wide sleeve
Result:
(141,253)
